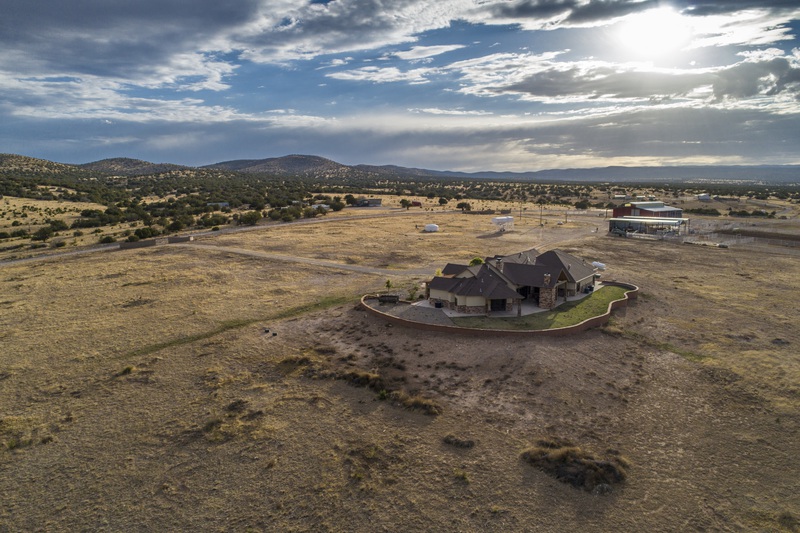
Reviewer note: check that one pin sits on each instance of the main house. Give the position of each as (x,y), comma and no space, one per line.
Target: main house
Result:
(501,282)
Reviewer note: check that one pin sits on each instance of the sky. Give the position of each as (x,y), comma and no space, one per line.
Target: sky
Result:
(465,85)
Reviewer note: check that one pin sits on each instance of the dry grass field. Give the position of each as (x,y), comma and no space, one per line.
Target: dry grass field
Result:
(180,388)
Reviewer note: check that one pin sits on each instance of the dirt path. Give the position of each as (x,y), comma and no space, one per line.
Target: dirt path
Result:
(307,260)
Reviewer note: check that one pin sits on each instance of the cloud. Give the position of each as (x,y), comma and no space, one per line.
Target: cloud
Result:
(541,78)
(423,52)
(550,14)
(112,38)
(384,75)
(453,112)
(342,26)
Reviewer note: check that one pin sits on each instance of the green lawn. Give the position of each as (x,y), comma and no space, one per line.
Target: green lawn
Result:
(566,314)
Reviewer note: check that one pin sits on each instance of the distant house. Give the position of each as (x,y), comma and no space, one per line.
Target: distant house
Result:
(368,202)
(218,205)
(502,282)
(704,197)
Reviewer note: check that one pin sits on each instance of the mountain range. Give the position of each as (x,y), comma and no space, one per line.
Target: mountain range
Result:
(320,168)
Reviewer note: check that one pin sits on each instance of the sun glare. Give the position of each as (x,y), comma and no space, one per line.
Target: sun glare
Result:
(654,33)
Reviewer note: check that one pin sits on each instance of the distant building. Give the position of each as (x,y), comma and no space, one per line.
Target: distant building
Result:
(647,210)
(623,226)
(648,218)
(368,202)
(704,197)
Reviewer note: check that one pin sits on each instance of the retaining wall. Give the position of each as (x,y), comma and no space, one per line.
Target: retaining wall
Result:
(587,324)
(126,245)
(158,241)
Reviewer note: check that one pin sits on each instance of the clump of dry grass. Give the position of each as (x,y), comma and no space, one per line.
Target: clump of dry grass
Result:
(570,464)
(361,378)
(21,432)
(452,440)
(415,402)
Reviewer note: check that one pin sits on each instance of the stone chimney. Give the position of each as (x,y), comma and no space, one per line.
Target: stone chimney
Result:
(546,280)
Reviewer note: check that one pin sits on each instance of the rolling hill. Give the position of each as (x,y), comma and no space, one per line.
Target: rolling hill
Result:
(316,167)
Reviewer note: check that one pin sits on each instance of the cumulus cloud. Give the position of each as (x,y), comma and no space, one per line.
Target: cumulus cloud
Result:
(541,78)
(424,52)
(453,112)
(383,75)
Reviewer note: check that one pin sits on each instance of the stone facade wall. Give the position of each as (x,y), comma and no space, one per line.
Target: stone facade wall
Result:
(547,298)
(473,309)
(446,304)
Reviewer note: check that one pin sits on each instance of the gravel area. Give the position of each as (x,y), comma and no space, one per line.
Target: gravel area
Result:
(415,313)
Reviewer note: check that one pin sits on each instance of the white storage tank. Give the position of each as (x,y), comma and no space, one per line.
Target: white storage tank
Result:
(431,228)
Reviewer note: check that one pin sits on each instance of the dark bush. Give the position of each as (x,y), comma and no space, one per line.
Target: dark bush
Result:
(569,464)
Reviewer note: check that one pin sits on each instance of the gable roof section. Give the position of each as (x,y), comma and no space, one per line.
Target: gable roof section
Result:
(526,257)
(525,275)
(452,269)
(447,284)
(575,268)
(485,283)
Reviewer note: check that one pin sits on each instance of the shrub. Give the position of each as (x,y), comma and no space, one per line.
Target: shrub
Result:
(108,239)
(569,464)
(416,402)
(146,232)
(250,218)
(42,234)
(364,379)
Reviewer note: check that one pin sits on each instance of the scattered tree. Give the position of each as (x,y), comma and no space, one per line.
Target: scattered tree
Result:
(250,218)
